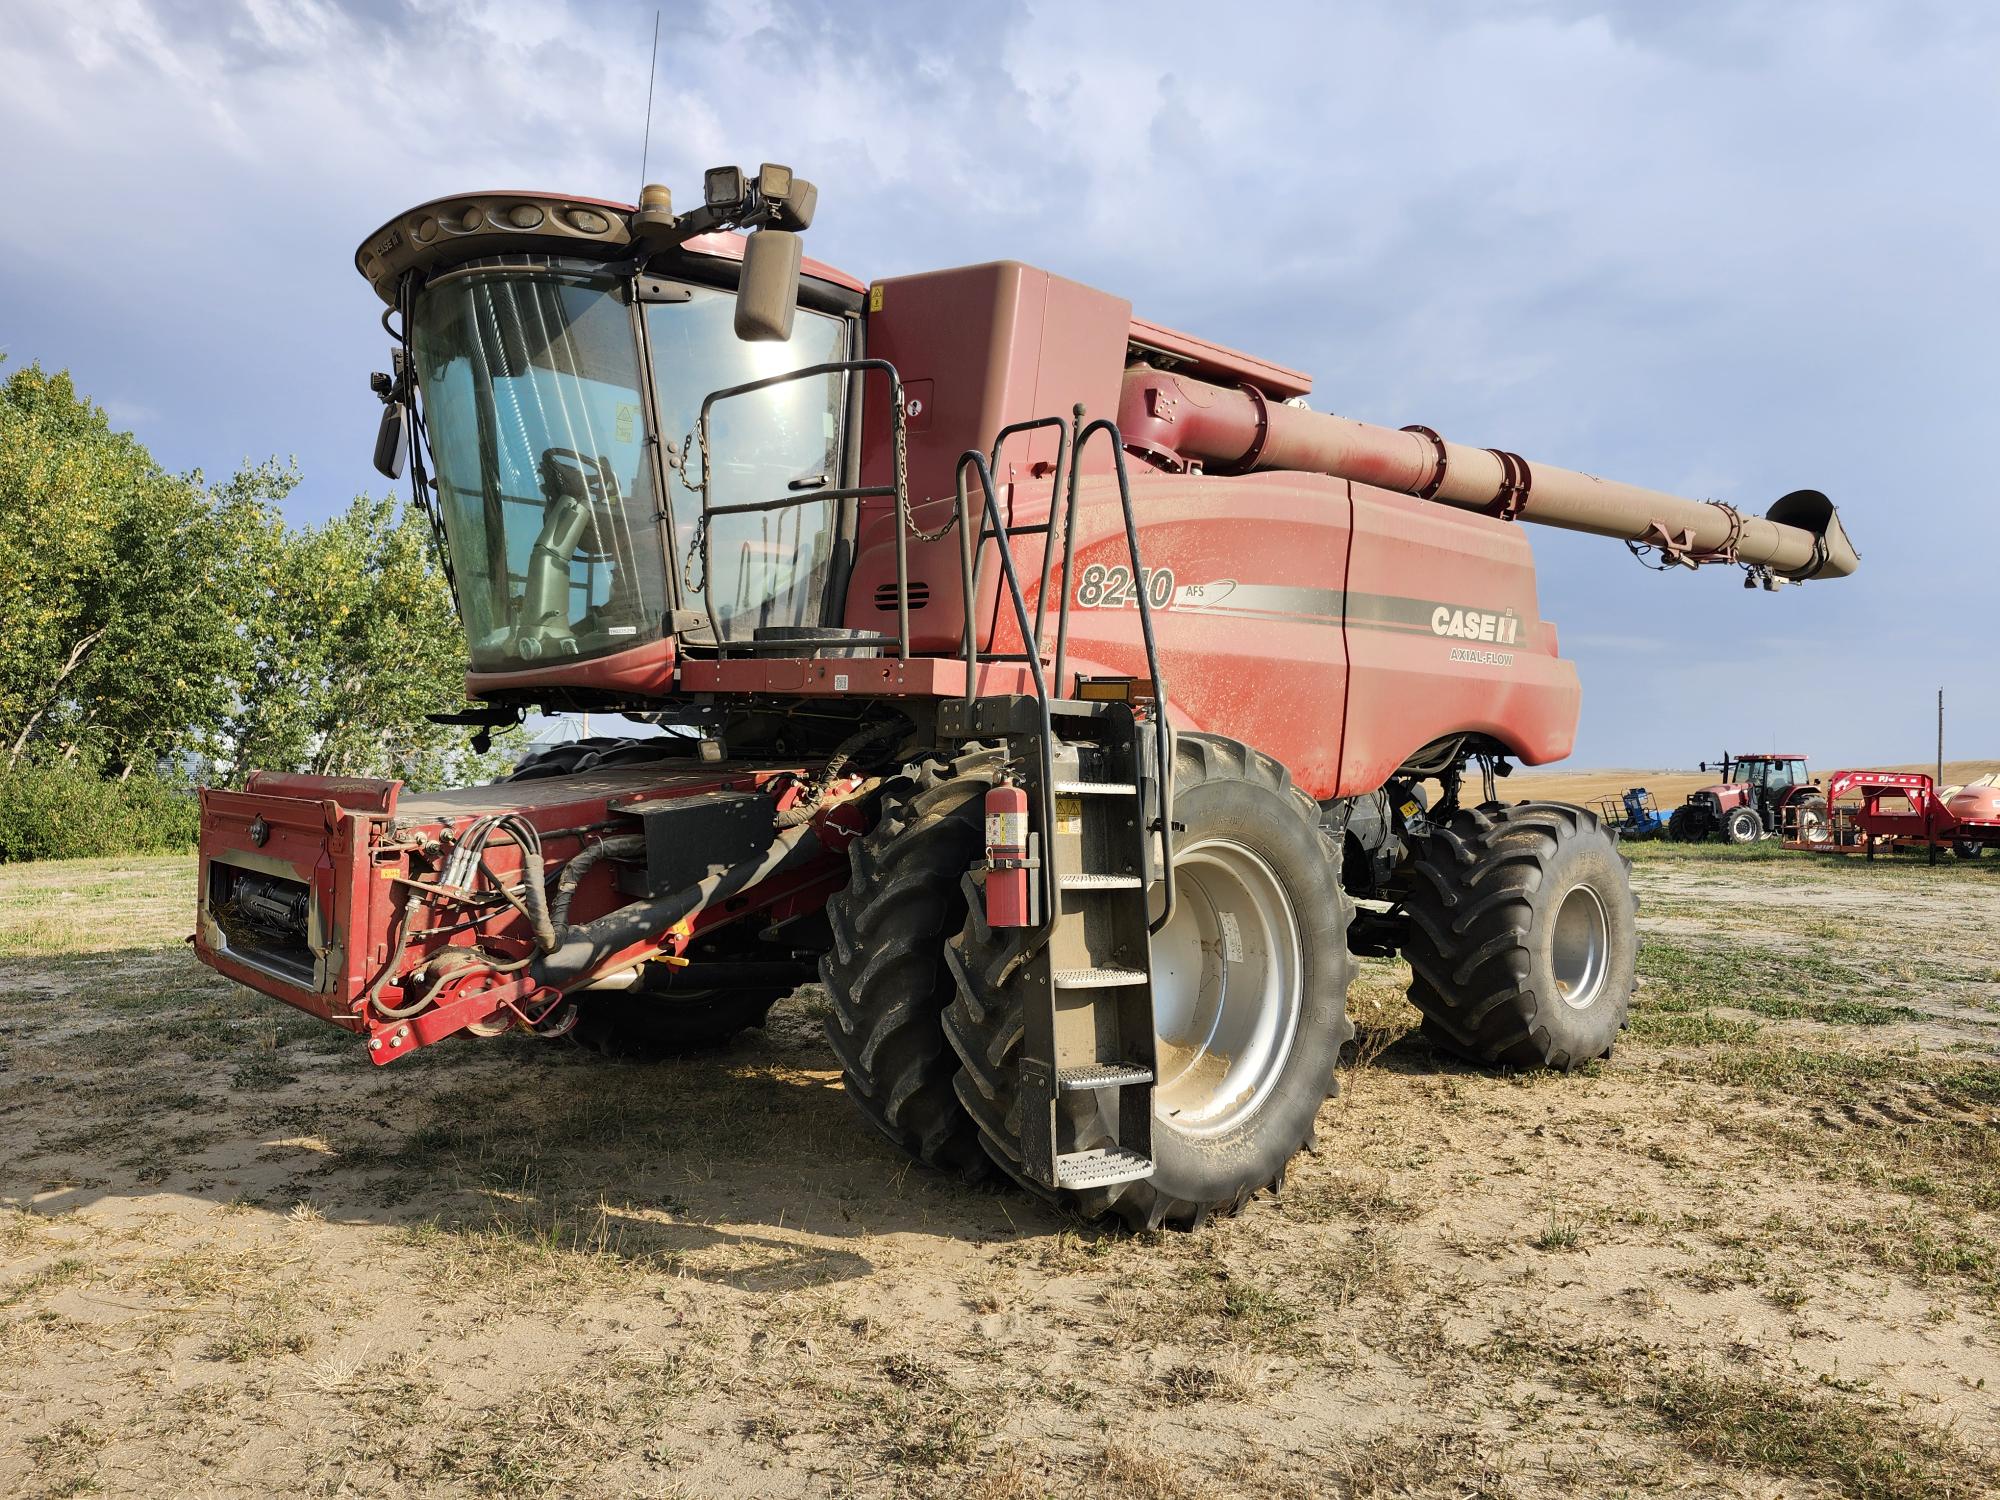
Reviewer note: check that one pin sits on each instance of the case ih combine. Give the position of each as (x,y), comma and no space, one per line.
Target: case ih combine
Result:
(1052,683)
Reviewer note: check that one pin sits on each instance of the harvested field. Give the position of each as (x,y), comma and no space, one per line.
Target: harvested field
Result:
(1756,1253)
(1670,788)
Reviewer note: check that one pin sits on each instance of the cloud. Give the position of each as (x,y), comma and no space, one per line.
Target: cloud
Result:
(1723,250)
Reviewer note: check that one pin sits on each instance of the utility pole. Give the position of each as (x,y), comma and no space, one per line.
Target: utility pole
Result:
(1937,785)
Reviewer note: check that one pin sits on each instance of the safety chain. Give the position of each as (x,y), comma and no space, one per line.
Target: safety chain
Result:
(677,462)
(902,446)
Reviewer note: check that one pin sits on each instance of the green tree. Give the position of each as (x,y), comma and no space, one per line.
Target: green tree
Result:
(117,633)
(353,640)
(150,621)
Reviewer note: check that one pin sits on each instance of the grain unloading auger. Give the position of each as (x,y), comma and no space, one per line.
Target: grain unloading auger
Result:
(1076,756)
(1179,419)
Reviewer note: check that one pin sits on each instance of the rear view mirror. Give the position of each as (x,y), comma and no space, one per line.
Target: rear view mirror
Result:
(392,440)
(768,295)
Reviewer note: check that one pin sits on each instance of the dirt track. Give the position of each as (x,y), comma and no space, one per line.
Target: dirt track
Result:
(1753,1254)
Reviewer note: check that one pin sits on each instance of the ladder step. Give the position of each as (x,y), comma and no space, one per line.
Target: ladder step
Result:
(1096,789)
(1101,1076)
(1097,979)
(1099,882)
(1101,1167)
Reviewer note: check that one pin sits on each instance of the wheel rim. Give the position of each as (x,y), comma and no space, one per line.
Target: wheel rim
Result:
(1228,981)
(1580,949)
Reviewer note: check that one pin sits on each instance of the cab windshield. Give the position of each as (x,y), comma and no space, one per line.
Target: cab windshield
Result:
(536,415)
(536,410)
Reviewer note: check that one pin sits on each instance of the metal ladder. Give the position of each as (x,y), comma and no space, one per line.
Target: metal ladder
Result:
(1099,779)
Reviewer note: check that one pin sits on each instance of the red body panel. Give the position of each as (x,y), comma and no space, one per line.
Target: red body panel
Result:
(1305,617)
(978,349)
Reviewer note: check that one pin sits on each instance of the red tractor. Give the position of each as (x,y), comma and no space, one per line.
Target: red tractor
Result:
(1053,685)
(1759,796)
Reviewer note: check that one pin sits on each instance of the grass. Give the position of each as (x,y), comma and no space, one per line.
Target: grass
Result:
(1852,1445)
(232,1252)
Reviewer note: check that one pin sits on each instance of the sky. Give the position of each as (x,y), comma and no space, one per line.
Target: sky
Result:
(1723,250)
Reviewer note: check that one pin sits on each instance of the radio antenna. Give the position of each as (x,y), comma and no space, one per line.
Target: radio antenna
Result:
(652,73)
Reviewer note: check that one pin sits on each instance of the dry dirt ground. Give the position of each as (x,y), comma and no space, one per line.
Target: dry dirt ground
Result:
(1753,1254)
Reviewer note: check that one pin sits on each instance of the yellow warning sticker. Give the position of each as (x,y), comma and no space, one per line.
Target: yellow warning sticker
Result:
(1409,809)
(1069,815)
(875,297)
(627,419)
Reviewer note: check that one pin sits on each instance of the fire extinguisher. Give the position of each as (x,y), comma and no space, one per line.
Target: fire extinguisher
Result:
(1007,862)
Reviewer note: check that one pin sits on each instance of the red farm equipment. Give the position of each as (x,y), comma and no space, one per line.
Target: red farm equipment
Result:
(1759,797)
(1872,811)
(1053,685)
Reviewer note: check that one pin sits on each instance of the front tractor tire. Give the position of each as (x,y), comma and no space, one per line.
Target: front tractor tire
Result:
(886,976)
(1688,825)
(1522,942)
(1261,921)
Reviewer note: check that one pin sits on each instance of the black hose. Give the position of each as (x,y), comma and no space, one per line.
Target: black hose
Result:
(584,948)
(618,846)
(808,807)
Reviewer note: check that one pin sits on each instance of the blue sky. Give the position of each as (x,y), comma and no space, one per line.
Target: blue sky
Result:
(1727,251)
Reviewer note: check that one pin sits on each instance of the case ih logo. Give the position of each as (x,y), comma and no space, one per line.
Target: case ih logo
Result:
(1475,625)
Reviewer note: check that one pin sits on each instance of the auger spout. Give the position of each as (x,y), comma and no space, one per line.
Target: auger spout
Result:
(1239,430)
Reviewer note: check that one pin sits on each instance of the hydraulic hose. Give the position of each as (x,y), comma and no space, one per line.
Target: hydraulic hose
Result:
(584,948)
(619,846)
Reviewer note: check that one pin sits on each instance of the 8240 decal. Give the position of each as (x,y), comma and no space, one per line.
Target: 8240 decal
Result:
(1111,588)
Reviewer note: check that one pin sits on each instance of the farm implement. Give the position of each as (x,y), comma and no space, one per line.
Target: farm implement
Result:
(1873,811)
(1633,814)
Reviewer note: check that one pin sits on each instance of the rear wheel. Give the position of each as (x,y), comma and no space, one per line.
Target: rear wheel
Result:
(1967,848)
(886,974)
(1522,942)
(1250,1000)
(1741,825)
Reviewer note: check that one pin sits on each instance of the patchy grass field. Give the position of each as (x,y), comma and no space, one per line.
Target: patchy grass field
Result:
(1757,1253)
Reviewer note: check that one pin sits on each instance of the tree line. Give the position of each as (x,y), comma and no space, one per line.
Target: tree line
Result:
(158,631)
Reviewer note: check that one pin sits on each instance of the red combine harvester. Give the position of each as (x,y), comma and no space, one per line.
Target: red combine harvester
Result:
(1061,747)
(1874,810)
(1759,796)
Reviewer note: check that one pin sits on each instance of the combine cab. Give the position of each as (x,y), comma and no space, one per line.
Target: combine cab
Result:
(1053,684)
(1759,796)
